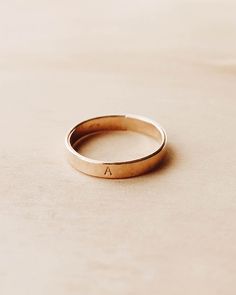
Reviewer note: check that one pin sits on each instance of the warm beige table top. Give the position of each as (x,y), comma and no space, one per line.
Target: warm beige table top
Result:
(171,232)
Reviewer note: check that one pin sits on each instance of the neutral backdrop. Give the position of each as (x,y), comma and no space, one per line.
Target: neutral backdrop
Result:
(171,232)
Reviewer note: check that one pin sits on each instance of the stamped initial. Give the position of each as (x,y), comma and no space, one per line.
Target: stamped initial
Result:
(108,171)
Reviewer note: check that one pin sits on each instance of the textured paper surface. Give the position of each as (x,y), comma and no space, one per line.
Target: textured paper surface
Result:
(169,232)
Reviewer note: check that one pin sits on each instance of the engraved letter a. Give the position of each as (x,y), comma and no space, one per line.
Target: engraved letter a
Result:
(108,170)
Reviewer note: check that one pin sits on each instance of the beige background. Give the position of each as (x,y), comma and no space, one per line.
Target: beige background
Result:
(169,232)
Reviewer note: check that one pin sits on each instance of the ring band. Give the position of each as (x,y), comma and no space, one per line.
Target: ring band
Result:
(115,169)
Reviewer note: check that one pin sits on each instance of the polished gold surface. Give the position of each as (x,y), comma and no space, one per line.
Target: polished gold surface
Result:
(169,232)
(115,169)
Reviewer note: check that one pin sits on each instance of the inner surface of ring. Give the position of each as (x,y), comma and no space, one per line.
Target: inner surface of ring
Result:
(110,123)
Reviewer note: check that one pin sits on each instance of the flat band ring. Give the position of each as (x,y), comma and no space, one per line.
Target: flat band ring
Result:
(112,123)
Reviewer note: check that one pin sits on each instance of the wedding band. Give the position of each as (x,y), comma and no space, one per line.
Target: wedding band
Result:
(112,123)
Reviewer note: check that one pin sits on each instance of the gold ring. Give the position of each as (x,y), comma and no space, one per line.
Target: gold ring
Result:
(116,169)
